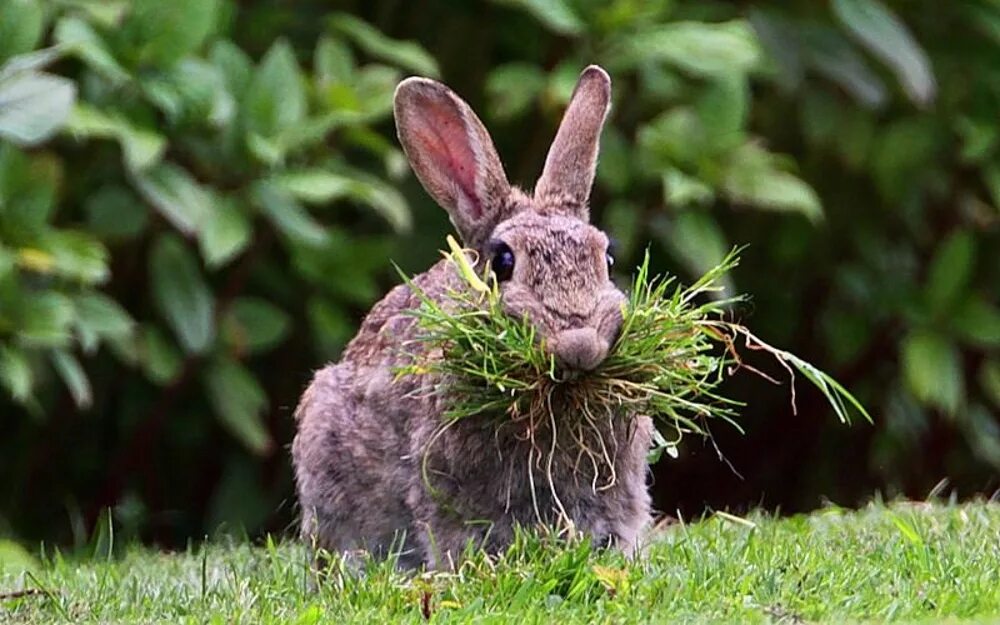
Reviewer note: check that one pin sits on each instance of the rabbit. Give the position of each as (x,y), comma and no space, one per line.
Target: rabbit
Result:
(374,469)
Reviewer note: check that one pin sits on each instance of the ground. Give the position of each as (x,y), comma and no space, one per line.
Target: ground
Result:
(905,562)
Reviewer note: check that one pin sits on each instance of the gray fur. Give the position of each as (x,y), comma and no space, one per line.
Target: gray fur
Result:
(572,160)
(374,469)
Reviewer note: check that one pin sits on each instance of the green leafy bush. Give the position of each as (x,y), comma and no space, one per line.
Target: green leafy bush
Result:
(172,202)
(200,198)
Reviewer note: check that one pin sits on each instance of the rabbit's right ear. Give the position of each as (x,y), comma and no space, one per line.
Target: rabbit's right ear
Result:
(452,155)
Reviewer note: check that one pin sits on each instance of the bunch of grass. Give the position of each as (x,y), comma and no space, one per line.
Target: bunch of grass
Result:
(677,344)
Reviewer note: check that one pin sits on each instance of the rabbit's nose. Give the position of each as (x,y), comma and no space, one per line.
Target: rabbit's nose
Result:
(580,348)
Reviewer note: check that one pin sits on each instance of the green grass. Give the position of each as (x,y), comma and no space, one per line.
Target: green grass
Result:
(676,345)
(901,563)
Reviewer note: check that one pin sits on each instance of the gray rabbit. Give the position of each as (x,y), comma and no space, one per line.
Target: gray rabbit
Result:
(374,469)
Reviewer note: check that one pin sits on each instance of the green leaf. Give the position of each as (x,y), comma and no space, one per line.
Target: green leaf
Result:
(254,325)
(98,316)
(682,191)
(176,195)
(933,371)
(383,198)
(106,13)
(406,54)
(159,358)
(512,88)
(977,323)
(29,62)
(238,401)
(333,61)
(15,373)
(290,217)
(698,48)
(270,152)
(556,15)
(950,271)
(45,319)
(21,24)
(74,377)
(752,177)
(374,87)
(114,212)
(226,233)
(163,33)
(675,137)
(276,97)
(33,105)
(181,295)
(193,92)
(886,37)
(315,186)
(29,185)
(833,56)
(77,256)
(722,110)
(141,148)
(81,40)
(979,137)
(236,67)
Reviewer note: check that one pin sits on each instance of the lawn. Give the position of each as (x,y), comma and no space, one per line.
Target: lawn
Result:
(905,562)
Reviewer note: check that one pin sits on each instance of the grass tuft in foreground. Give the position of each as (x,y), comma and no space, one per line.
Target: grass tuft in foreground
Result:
(675,347)
(907,562)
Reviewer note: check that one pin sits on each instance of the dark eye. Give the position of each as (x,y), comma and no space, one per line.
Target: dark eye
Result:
(610,260)
(502,261)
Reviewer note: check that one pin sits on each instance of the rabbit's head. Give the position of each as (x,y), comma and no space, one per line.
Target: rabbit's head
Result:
(552,265)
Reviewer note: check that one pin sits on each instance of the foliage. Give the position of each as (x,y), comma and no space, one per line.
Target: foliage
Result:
(199,199)
(146,226)
(904,563)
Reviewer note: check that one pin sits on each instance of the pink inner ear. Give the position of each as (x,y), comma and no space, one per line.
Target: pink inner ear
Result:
(445,143)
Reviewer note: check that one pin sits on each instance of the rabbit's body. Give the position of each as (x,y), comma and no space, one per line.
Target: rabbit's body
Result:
(375,469)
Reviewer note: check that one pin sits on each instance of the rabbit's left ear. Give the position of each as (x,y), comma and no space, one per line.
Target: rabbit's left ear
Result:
(572,160)
(452,155)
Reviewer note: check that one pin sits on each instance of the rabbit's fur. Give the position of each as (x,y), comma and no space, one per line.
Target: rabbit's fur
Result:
(374,468)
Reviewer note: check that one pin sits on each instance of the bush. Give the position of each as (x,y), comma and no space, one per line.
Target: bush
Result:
(199,199)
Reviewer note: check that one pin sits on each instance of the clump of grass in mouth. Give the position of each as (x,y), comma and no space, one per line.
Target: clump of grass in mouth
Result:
(674,349)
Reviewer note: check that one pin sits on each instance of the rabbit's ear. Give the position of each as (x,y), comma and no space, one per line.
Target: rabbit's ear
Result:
(572,160)
(452,155)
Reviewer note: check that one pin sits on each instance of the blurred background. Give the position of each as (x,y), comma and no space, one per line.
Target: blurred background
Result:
(200,199)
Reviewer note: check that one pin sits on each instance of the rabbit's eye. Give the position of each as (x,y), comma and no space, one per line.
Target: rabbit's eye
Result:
(610,260)
(503,261)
